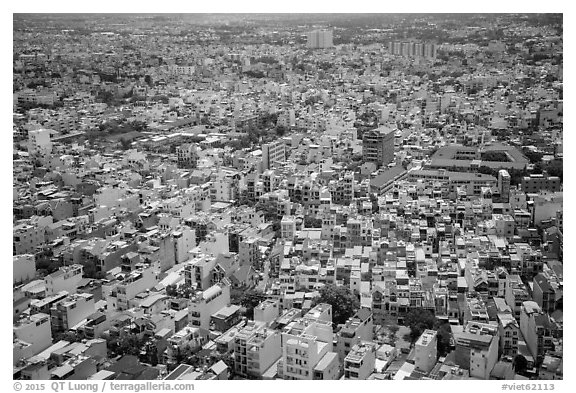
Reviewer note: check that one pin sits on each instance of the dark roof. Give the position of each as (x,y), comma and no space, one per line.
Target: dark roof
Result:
(243,273)
(181,369)
(225,261)
(140,373)
(124,363)
(204,353)
(502,370)
(492,310)
(557,267)
(543,282)
(543,320)
(558,316)
(363,314)
(387,176)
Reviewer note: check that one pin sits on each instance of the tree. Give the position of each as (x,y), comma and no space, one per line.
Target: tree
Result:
(486,170)
(419,320)
(443,337)
(520,364)
(105,97)
(538,168)
(125,143)
(171,290)
(344,303)
(139,125)
(255,74)
(250,299)
(533,156)
(516,175)
(374,201)
(554,168)
(126,344)
(311,222)
(269,210)
(498,156)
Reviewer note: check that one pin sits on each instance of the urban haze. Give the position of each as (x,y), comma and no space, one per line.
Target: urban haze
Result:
(287,197)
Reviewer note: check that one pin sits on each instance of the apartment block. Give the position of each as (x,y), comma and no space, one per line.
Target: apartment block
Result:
(358,328)
(320,39)
(425,351)
(66,278)
(304,343)
(256,349)
(206,303)
(509,331)
(477,348)
(70,311)
(360,361)
(378,146)
(23,268)
(537,329)
(31,335)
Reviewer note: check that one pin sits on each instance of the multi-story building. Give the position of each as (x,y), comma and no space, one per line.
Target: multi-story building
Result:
(509,332)
(477,348)
(412,49)
(305,343)
(256,349)
(535,183)
(29,234)
(273,153)
(32,335)
(248,252)
(68,312)
(358,328)
(224,186)
(328,368)
(66,278)
(122,292)
(472,183)
(320,39)
(360,361)
(425,351)
(187,155)
(378,146)
(187,339)
(23,268)
(288,227)
(198,271)
(206,303)
(515,294)
(39,142)
(504,185)
(537,329)
(267,311)
(547,292)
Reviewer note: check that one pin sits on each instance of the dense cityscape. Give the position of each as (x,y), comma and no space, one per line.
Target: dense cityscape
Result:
(287,197)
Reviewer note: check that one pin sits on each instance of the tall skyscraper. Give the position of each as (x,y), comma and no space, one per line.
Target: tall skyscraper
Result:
(320,39)
(378,146)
